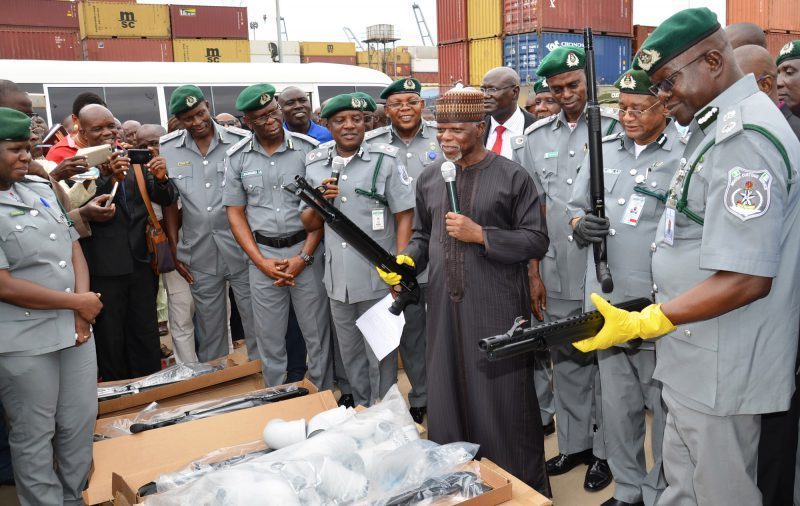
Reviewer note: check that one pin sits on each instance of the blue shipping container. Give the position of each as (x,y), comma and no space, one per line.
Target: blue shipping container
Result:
(523,53)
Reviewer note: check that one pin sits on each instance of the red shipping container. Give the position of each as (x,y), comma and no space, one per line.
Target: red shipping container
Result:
(426,77)
(775,41)
(451,20)
(127,49)
(606,17)
(44,13)
(36,43)
(207,22)
(640,34)
(345,60)
(771,15)
(453,63)
(610,17)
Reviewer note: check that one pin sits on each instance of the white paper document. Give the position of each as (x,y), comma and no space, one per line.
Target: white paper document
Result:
(381,328)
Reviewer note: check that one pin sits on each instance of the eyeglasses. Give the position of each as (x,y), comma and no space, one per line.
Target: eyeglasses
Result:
(492,91)
(666,85)
(396,106)
(633,112)
(276,115)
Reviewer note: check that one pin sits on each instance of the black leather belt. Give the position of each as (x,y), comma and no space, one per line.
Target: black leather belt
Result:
(281,242)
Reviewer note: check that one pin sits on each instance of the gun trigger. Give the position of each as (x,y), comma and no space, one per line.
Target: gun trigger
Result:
(518,322)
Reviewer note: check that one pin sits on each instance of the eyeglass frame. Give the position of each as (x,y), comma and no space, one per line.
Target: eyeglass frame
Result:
(277,115)
(621,113)
(656,88)
(397,106)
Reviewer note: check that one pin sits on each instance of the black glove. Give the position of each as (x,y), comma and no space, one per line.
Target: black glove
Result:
(590,229)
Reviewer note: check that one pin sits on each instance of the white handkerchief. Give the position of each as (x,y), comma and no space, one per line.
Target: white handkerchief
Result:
(381,328)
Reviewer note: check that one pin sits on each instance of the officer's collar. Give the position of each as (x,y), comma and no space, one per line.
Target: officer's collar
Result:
(421,132)
(562,119)
(736,93)
(287,144)
(362,153)
(663,141)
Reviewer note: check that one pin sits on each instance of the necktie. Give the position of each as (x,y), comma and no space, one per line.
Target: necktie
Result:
(498,141)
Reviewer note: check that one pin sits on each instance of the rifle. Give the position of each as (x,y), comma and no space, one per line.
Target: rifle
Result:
(236,404)
(520,340)
(596,186)
(361,242)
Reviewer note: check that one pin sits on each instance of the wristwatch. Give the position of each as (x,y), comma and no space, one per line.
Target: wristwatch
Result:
(308,259)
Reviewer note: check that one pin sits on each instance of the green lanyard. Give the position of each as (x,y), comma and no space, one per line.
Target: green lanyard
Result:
(373,192)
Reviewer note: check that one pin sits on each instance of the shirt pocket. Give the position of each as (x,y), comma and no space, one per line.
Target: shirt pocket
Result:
(610,177)
(182,176)
(548,174)
(20,240)
(254,187)
(428,157)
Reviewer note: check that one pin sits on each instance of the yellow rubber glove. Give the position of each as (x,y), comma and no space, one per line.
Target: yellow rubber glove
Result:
(392,278)
(621,326)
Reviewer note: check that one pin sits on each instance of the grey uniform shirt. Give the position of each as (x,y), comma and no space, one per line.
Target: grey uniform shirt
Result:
(553,155)
(635,191)
(207,244)
(414,157)
(348,276)
(743,361)
(256,179)
(36,245)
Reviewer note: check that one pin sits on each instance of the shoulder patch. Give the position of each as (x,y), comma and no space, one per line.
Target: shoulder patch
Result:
(171,135)
(540,123)
(518,142)
(236,147)
(316,155)
(729,123)
(386,149)
(377,132)
(307,138)
(613,137)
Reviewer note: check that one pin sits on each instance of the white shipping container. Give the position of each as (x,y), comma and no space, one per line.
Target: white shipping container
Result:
(259,51)
(425,65)
(424,52)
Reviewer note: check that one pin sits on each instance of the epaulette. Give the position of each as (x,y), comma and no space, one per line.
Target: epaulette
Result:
(386,149)
(431,124)
(377,132)
(314,142)
(238,131)
(730,124)
(172,135)
(316,155)
(236,147)
(608,113)
(33,178)
(613,137)
(327,144)
(540,123)
(518,142)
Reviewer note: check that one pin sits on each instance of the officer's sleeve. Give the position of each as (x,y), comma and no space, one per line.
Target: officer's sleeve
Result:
(745,207)
(233,194)
(580,199)
(3,259)
(399,191)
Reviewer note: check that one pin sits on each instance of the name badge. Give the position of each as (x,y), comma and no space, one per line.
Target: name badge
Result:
(669,225)
(634,210)
(378,221)
(551,154)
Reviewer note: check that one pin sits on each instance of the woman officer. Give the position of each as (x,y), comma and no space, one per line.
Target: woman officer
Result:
(48,368)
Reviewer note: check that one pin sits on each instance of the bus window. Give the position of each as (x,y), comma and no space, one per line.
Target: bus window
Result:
(326,92)
(225,99)
(61,100)
(138,103)
(206,93)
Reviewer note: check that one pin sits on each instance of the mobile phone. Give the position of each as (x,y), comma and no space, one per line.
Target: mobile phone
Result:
(140,156)
(112,194)
(96,155)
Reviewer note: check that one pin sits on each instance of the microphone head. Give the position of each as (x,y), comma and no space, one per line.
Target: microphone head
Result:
(449,171)
(337,164)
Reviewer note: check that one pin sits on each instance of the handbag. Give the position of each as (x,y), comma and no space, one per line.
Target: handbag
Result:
(161,260)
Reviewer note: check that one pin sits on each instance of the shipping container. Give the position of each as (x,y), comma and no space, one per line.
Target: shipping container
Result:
(484,55)
(771,15)
(484,18)
(423,52)
(640,34)
(426,77)
(451,21)
(42,13)
(425,65)
(37,43)
(108,19)
(327,49)
(211,50)
(613,17)
(453,63)
(775,41)
(127,49)
(207,22)
(523,52)
(344,60)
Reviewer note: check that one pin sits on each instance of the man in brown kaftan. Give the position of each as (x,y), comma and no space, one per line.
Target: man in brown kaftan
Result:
(478,284)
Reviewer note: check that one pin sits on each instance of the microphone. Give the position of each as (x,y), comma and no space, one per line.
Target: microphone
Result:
(336,167)
(449,176)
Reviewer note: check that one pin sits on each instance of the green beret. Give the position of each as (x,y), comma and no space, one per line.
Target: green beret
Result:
(372,106)
(184,98)
(405,85)
(674,36)
(540,86)
(14,125)
(345,102)
(634,81)
(255,97)
(791,51)
(562,59)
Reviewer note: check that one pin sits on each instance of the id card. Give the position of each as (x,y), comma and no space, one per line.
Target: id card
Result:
(669,225)
(378,221)
(634,210)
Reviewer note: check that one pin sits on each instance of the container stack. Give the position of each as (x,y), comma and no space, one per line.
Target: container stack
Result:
(328,52)
(451,21)
(261,51)
(114,31)
(780,19)
(425,64)
(395,62)
(202,33)
(39,30)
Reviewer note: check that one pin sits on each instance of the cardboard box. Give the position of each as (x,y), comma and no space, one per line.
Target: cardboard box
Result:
(521,494)
(125,488)
(149,454)
(237,367)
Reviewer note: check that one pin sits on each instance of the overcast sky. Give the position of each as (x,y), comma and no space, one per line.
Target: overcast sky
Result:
(323,20)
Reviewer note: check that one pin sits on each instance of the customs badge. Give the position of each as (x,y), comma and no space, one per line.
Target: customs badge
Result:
(748,192)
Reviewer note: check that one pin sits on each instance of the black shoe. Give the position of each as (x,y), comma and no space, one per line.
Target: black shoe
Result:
(617,502)
(550,428)
(418,414)
(562,463)
(598,475)
(347,401)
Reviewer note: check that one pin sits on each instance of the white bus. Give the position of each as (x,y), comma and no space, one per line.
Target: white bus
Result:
(141,90)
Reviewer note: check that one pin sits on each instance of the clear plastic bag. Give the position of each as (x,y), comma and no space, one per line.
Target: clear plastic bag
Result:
(172,374)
